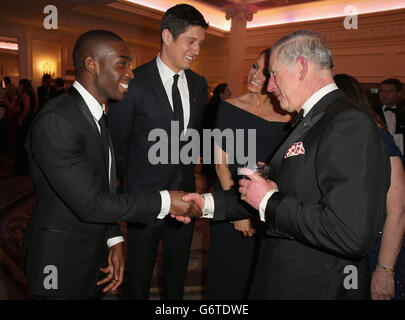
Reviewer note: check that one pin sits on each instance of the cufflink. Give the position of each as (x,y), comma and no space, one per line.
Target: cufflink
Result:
(204,210)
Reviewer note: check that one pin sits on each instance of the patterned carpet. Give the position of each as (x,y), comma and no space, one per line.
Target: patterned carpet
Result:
(17,200)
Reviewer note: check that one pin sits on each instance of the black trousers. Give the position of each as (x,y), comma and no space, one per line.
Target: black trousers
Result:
(143,244)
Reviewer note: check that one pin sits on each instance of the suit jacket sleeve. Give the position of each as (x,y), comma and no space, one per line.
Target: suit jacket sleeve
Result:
(113,231)
(353,173)
(228,206)
(58,148)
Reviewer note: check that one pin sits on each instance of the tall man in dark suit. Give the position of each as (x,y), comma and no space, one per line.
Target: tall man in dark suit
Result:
(389,93)
(164,94)
(326,202)
(73,170)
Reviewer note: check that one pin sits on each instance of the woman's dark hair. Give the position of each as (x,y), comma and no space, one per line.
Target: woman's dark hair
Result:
(352,88)
(216,97)
(266,53)
(178,18)
(26,87)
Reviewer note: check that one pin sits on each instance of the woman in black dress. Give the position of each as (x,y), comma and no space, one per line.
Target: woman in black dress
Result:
(234,244)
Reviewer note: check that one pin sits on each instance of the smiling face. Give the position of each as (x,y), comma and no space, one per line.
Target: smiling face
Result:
(257,75)
(179,54)
(113,70)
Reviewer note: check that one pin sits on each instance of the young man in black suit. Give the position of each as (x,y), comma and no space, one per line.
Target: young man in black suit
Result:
(326,201)
(73,171)
(163,94)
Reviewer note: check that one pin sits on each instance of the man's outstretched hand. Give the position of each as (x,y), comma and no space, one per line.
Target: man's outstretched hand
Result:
(183,210)
(190,198)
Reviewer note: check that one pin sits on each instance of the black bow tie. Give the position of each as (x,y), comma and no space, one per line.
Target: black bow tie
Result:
(297,119)
(394,110)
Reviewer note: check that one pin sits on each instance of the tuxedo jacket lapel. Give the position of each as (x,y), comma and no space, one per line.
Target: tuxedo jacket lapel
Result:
(278,157)
(113,177)
(158,89)
(84,109)
(192,91)
(313,116)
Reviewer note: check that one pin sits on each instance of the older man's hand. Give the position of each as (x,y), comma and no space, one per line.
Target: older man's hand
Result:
(255,188)
(196,197)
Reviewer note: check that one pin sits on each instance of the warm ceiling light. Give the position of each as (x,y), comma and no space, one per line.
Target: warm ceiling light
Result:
(320,10)
(9,45)
(284,14)
(214,16)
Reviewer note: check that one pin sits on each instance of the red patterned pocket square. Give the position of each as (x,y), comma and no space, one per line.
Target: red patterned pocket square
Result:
(295,150)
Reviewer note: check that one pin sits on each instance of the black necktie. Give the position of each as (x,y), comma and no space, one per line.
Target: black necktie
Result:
(177,105)
(104,138)
(297,119)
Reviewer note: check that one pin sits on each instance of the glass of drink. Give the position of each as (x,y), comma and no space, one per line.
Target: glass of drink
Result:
(261,169)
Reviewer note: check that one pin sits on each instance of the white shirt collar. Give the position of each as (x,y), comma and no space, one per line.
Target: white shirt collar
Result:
(95,108)
(165,72)
(318,96)
(392,107)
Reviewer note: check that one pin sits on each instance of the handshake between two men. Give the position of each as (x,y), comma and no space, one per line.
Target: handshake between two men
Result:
(185,206)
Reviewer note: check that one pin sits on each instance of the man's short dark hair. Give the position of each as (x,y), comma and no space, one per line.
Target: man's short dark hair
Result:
(395,82)
(178,18)
(60,82)
(7,80)
(46,76)
(86,43)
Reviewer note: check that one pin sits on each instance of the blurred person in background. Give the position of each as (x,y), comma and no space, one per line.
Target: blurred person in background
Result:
(27,103)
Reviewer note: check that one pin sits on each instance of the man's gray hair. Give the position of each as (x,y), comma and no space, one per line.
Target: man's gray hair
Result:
(306,43)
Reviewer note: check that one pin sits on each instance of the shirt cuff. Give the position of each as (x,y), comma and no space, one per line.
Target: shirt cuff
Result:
(166,202)
(209,206)
(263,204)
(113,241)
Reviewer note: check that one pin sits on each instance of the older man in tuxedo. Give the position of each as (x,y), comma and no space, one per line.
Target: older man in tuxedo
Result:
(72,230)
(326,201)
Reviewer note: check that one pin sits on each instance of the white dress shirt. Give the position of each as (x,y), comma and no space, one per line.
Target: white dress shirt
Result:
(97,111)
(209,207)
(166,75)
(390,119)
